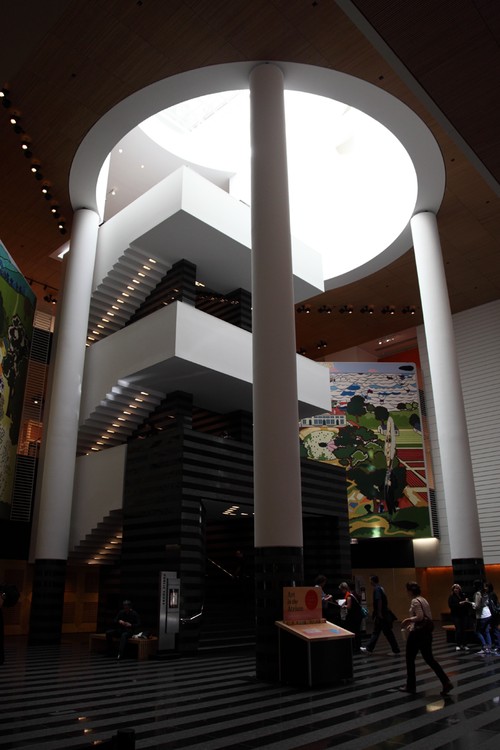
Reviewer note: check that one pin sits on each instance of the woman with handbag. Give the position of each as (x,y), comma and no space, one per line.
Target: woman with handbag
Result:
(420,627)
(481,605)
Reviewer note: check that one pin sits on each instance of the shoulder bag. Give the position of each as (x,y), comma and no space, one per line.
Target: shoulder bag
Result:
(426,624)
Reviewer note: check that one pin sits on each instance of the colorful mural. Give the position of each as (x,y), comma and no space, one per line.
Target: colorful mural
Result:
(17,308)
(374,430)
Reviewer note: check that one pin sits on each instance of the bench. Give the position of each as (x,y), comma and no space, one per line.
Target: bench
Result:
(146,647)
(450,634)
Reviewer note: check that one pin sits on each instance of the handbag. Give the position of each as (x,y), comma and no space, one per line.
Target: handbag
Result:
(426,624)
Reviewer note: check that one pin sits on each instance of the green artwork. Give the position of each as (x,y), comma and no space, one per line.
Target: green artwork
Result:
(17,308)
(374,430)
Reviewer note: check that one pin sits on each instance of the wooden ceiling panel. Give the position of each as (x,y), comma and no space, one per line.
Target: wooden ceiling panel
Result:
(93,54)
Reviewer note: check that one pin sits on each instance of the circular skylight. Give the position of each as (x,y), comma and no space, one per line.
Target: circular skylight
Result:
(352,184)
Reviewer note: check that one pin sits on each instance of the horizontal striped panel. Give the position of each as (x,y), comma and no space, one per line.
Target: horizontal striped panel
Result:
(64,698)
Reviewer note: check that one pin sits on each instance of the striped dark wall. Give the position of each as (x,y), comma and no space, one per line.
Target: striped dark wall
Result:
(177,284)
(325,523)
(466,570)
(47,603)
(174,473)
(234,308)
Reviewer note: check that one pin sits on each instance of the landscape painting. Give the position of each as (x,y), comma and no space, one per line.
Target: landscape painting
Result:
(374,430)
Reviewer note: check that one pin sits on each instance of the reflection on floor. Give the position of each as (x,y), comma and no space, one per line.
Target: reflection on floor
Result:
(57,698)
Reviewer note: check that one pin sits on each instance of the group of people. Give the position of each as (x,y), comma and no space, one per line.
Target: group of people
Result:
(418,627)
(481,613)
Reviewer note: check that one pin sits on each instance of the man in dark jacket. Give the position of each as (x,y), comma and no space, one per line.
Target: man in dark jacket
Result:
(127,623)
(382,619)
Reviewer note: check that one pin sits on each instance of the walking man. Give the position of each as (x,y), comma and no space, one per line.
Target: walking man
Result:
(382,619)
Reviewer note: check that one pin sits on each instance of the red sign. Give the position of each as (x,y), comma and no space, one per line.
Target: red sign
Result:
(302,604)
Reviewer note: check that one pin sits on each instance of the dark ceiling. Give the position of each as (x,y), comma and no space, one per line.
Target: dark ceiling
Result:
(65,63)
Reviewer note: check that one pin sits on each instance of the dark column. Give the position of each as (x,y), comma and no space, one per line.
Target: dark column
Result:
(467,570)
(241,307)
(275,567)
(47,602)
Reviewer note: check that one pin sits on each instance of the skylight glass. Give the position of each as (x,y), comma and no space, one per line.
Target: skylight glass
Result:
(352,184)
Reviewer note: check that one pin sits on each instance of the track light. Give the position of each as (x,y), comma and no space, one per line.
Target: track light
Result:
(409,309)
(367,309)
(14,121)
(4,97)
(303,309)
(301,350)
(325,309)
(25,145)
(50,299)
(389,310)
(35,168)
(346,309)
(321,344)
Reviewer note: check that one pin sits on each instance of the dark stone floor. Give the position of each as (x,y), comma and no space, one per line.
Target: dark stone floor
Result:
(62,698)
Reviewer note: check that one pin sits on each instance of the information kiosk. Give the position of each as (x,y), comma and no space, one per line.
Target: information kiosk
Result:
(312,651)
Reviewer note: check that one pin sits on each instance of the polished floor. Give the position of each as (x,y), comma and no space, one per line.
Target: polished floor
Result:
(58,698)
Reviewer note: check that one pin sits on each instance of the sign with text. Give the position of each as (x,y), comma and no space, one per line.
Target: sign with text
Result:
(302,604)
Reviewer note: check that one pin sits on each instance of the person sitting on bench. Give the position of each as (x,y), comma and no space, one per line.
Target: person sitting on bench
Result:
(127,623)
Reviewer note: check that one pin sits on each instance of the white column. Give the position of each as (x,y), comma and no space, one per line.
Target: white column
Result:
(61,425)
(277,487)
(454,449)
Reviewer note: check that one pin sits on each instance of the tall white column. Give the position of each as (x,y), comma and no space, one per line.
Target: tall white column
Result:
(454,449)
(61,424)
(277,488)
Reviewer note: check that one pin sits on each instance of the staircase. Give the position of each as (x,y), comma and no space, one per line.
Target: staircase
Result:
(104,543)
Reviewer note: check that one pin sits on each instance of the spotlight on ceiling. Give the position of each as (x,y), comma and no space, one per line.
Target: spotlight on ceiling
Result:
(409,310)
(4,97)
(46,192)
(50,299)
(55,212)
(25,146)
(303,309)
(325,309)
(14,121)
(367,309)
(346,309)
(321,344)
(389,310)
(301,351)
(35,168)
